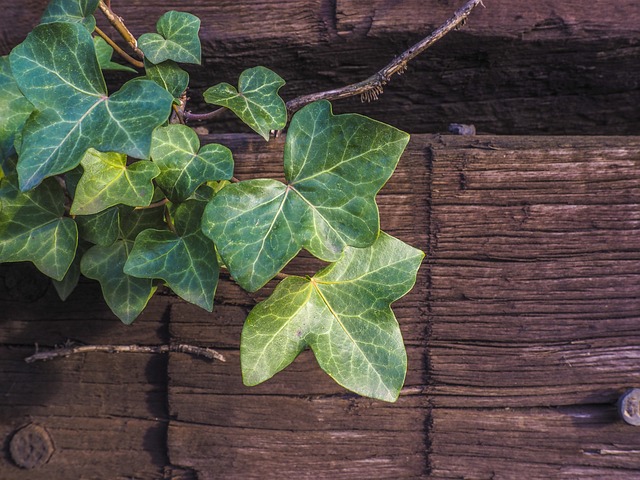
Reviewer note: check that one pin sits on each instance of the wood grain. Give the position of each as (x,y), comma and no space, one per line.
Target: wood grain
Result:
(521,333)
(517,67)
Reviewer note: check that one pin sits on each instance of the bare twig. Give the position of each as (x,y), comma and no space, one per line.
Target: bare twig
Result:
(118,50)
(372,87)
(209,353)
(119,25)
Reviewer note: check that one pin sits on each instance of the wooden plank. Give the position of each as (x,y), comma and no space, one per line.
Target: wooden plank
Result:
(106,414)
(518,67)
(538,443)
(534,268)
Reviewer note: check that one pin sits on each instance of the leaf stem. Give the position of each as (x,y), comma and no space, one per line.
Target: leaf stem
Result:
(201,117)
(119,25)
(371,88)
(160,203)
(118,50)
(209,353)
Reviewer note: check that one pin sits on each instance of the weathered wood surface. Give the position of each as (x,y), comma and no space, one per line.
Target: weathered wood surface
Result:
(534,307)
(522,332)
(517,67)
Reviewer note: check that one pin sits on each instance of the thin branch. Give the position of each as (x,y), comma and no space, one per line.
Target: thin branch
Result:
(372,87)
(160,203)
(119,25)
(209,353)
(201,117)
(118,50)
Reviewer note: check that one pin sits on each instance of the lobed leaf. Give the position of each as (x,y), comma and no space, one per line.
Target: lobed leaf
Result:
(101,228)
(125,295)
(343,313)
(335,165)
(177,39)
(184,166)
(256,101)
(74,11)
(186,260)
(74,111)
(108,180)
(32,227)
(15,111)
(169,76)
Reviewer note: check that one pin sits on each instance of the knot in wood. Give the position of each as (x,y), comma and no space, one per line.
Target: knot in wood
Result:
(31,446)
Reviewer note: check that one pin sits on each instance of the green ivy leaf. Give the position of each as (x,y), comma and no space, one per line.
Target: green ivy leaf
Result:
(74,11)
(133,222)
(335,166)
(108,180)
(186,260)
(68,284)
(343,313)
(15,110)
(104,52)
(32,227)
(177,39)
(169,76)
(256,101)
(184,166)
(125,295)
(75,112)
(101,228)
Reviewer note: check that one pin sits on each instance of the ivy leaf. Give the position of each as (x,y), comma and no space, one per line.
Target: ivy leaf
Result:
(177,39)
(186,260)
(104,52)
(133,222)
(32,227)
(169,76)
(75,11)
(15,110)
(184,166)
(335,166)
(75,112)
(101,228)
(343,313)
(108,180)
(256,101)
(68,284)
(125,295)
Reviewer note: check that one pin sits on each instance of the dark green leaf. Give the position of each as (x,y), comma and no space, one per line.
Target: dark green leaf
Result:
(75,112)
(256,101)
(335,166)
(32,227)
(169,76)
(132,221)
(184,166)
(108,180)
(126,296)
(101,228)
(186,260)
(74,11)
(15,111)
(343,313)
(104,52)
(177,39)
(68,284)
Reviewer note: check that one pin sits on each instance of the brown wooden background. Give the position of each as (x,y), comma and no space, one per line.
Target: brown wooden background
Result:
(522,331)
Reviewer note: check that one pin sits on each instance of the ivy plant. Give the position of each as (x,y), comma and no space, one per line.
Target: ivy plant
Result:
(114,186)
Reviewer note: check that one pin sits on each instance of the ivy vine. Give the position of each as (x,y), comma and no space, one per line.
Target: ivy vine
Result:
(114,186)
